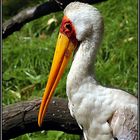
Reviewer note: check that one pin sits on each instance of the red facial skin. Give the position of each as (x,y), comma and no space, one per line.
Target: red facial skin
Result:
(68,29)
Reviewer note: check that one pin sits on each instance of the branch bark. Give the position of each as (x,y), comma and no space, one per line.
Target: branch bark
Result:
(29,14)
(21,118)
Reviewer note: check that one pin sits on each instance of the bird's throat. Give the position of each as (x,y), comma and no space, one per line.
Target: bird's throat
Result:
(82,67)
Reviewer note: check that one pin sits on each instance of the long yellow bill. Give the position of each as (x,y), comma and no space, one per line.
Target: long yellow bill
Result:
(63,51)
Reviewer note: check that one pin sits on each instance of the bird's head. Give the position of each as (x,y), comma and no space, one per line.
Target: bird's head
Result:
(80,22)
(85,19)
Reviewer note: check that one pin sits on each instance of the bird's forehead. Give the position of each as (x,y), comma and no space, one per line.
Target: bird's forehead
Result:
(81,12)
(73,14)
(77,9)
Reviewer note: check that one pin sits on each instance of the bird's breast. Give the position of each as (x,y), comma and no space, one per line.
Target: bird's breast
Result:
(88,103)
(92,103)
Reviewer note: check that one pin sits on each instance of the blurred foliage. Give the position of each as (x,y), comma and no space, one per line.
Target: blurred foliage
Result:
(12,7)
(27,55)
(117,60)
(32,58)
(49,135)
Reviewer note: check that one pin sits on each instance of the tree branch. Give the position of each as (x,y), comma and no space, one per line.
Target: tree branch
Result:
(21,118)
(29,14)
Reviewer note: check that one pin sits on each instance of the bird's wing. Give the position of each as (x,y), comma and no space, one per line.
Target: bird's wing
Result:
(124,124)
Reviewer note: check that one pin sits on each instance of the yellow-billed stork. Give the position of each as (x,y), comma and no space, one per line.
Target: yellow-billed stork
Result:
(102,113)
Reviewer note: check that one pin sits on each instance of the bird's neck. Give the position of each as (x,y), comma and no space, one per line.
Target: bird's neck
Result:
(82,69)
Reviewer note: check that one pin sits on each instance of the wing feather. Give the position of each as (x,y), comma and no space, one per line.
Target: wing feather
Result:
(124,124)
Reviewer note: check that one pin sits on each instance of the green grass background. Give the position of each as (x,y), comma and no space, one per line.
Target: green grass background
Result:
(27,56)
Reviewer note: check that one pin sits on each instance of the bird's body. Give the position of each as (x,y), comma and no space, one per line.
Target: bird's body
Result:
(91,104)
(98,110)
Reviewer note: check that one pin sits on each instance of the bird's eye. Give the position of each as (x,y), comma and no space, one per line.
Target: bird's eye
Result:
(68,26)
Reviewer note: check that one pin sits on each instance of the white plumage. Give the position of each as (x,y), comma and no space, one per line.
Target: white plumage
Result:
(96,108)
(103,113)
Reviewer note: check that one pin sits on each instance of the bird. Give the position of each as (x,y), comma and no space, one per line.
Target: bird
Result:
(103,113)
